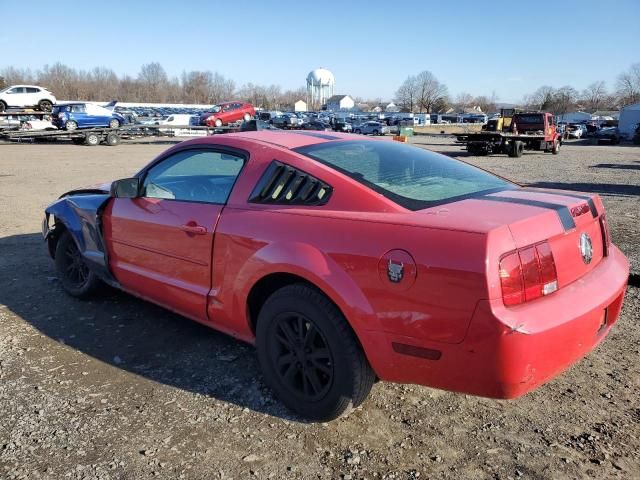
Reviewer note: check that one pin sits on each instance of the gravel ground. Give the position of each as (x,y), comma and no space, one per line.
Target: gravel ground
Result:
(118,388)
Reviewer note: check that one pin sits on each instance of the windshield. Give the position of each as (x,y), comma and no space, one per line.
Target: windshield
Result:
(410,176)
(216,108)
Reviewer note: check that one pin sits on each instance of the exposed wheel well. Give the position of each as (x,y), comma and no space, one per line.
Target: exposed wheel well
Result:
(54,236)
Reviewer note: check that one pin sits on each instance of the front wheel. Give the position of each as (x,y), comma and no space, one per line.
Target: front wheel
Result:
(246,117)
(218,122)
(309,355)
(73,273)
(555,148)
(3,106)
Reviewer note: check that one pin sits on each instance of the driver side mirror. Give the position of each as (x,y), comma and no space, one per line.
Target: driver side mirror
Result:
(126,188)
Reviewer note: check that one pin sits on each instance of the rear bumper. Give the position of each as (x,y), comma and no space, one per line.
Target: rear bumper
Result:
(508,352)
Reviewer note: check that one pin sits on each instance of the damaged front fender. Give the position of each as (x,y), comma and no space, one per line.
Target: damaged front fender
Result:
(80,214)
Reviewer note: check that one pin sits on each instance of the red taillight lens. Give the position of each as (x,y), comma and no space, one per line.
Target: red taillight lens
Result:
(606,235)
(511,279)
(527,274)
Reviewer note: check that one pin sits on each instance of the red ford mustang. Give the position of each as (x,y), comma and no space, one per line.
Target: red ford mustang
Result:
(346,260)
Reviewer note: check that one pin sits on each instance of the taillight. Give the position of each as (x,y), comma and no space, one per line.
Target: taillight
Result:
(606,235)
(527,274)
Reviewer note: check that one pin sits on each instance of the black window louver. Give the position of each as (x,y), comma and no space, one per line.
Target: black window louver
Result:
(282,184)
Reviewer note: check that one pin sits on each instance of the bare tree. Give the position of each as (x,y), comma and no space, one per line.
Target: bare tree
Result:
(153,79)
(485,104)
(407,95)
(593,97)
(564,100)
(430,91)
(628,85)
(463,101)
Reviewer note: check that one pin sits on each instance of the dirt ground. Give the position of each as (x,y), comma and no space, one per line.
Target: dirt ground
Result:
(118,388)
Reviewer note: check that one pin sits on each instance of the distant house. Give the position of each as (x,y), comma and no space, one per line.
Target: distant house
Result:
(340,102)
(363,107)
(574,117)
(300,106)
(392,107)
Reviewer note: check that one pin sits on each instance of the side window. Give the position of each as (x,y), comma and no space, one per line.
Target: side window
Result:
(32,90)
(78,108)
(194,176)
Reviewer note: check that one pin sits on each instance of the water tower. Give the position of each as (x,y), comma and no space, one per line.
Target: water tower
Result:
(320,84)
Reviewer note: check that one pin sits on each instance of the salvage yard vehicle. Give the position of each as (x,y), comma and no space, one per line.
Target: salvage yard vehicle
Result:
(26,96)
(71,116)
(226,113)
(527,130)
(349,259)
(371,128)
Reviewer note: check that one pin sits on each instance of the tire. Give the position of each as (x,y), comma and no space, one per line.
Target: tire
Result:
(3,106)
(376,133)
(92,139)
(112,139)
(336,376)
(555,148)
(357,131)
(74,275)
(218,122)
(246,117)
(516,150)
(114,123)
(70,125)
(45,105)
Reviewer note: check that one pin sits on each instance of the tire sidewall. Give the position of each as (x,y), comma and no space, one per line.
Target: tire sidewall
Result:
(342,383)
(60,264)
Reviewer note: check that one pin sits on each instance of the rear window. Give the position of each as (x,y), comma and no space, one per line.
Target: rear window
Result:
(529,118)
(410,176)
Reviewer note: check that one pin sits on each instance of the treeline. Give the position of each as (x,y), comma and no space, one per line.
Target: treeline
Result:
(425,93)
(151,85)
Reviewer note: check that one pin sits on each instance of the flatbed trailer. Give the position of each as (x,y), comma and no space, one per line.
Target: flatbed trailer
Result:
(105,135)
(527,131)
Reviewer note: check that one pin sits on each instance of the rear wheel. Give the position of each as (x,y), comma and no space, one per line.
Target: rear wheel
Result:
(218,122)
(112,139)
(3,106)
(73,273)
(309,355)
(114,123)
(517,148)
(45,105)
(70,125)
(92,139)
(357,130)
(376,133)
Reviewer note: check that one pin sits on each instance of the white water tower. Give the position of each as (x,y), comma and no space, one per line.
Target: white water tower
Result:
(320,85)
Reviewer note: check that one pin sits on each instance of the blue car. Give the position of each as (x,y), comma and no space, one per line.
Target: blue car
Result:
(71,116)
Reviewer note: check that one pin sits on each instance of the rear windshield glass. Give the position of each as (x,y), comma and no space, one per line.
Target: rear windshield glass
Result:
(529,119)
(410,176)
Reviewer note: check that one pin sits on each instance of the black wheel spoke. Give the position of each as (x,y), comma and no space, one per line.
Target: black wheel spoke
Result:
(314,381)
(301,356)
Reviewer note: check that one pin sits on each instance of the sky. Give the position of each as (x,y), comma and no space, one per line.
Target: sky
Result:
(510,48)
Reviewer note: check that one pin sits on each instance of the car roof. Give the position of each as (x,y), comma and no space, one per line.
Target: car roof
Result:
(285,139)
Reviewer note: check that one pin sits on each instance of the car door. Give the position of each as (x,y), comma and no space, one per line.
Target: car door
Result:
(160,244)
(79,114)
(16,96)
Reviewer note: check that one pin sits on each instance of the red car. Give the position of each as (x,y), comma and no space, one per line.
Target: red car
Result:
(347,259)
(226,113)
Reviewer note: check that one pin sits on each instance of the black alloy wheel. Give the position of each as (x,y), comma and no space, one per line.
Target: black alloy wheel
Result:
(300,356)
(74,274)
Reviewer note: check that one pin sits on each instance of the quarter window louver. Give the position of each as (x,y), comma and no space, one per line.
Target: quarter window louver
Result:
(283,184)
